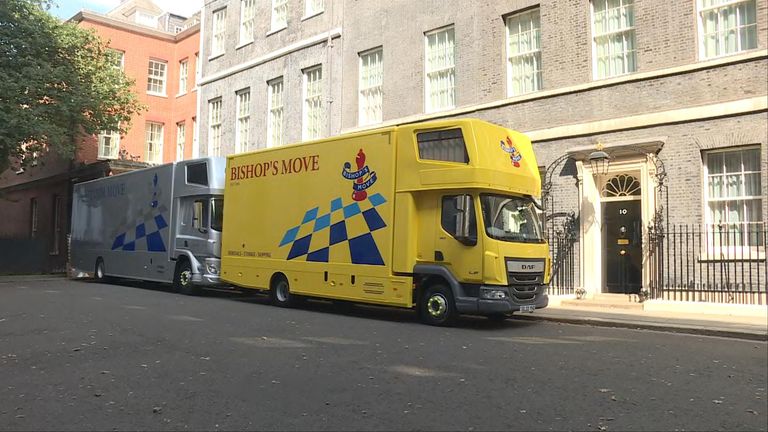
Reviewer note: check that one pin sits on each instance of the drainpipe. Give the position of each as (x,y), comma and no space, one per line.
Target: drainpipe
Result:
(328,54)
(198,78)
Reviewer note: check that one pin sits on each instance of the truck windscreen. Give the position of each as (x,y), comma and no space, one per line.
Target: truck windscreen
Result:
(217,214)
(512,219)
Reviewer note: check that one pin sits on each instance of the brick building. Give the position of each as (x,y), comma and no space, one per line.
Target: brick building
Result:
(672,94)
(159,51)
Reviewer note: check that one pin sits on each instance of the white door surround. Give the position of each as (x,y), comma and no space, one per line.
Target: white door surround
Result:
(627,159)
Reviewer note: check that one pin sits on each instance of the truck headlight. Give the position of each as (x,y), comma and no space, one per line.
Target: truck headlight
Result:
(493,294)
(212,268)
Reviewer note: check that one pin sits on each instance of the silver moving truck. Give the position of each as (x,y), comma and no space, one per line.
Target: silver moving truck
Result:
(158,224)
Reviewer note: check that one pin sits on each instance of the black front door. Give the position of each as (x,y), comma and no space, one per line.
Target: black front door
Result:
(622,243)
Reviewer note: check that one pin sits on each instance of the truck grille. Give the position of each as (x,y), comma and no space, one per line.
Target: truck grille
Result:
(525,277)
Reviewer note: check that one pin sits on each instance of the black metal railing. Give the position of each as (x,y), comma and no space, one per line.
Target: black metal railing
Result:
(718,263)
(562,236)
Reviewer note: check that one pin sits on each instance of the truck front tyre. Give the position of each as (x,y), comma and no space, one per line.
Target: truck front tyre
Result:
(182,279)
(280,292)
(437,306)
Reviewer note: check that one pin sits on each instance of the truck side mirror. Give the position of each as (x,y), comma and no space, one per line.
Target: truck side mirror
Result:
(464,220)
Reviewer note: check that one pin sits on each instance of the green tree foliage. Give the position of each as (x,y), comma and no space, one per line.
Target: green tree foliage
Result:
(58,84)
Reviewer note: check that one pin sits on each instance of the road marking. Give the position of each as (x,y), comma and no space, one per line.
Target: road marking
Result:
(265,342)
(184,318)
(532,340)
(335,340)
(134,307)
(97,298)
(420,372)
(51,291)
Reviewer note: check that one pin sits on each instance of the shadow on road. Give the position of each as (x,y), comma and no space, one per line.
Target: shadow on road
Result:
(343,308)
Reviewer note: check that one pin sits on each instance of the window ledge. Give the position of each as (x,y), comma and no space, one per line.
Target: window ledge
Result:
(181,94)
(741,255)
(215,56)
(277,30)
(306,17)
(244,44)
(162,95)
(703,58)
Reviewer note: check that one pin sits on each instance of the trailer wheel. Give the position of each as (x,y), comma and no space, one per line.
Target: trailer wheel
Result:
(98,272)
(280,292)
(437,307)
(182,278)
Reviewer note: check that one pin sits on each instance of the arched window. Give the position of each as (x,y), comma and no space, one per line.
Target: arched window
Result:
(620,186)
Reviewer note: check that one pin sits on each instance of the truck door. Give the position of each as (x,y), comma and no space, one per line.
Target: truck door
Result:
(457,244)
(194,225)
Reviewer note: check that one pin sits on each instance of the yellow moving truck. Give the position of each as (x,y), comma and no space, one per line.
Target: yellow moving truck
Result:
(439,216)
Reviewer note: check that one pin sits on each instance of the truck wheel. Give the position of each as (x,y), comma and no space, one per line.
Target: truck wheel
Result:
(437,307)
(280,292)
(98,272)
(182,279)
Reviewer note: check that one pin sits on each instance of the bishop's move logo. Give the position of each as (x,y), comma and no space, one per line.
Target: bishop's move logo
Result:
(363,178)
(514,155)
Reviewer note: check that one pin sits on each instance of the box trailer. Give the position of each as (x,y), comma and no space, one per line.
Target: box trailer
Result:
(439,216)
(158,224)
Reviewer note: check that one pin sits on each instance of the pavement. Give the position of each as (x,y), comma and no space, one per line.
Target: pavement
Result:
(752,325)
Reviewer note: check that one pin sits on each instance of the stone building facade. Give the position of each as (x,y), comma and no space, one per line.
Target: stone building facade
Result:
(673,93)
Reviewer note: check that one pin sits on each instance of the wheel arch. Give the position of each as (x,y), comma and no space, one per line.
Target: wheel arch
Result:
(430,274)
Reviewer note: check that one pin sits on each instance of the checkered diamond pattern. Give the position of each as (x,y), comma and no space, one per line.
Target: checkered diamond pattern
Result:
(318,233)
(140,238)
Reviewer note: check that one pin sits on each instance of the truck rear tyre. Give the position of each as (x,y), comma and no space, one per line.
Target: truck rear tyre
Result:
(280,293)
(437,307)
(182,279)
(98,272)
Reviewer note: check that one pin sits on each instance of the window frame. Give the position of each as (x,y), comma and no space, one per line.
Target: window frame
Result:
(218,32)
(364,91)
(242,120)
(247,36)
(273,110)
(701,9)
(534,53)
(312,127)
(745,251)
(121,54)
(114,137)
(157,151)
(181,139)
(428,70)
(310,10)
(276,25)
(595,36)
(214,126)
(163,79)
(183,76)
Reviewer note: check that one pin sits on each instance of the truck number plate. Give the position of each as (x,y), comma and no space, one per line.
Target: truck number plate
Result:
(527,308)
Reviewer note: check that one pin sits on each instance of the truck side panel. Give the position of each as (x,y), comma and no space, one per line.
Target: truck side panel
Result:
(321,213)
(125,220)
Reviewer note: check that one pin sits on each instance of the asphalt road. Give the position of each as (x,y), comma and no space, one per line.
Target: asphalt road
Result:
(80,355)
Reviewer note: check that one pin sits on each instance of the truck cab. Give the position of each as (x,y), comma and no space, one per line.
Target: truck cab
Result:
(199,197)
(467,189)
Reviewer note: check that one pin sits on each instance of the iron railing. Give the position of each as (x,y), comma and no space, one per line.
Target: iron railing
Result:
(716,263)
(562,236)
